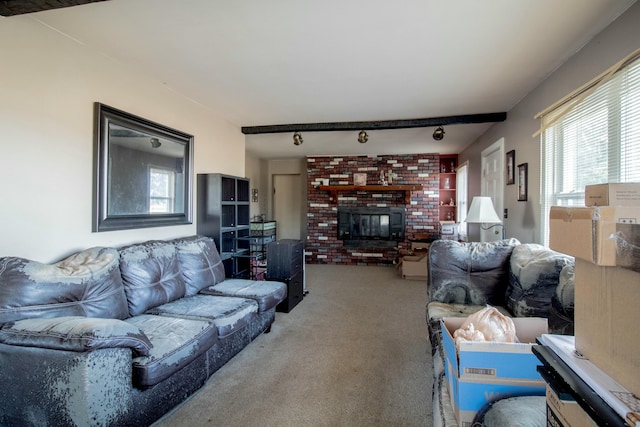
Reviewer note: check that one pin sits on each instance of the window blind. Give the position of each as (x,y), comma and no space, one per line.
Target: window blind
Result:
(592,138)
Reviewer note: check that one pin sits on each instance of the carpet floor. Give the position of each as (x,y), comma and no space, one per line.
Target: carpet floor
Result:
(354,352)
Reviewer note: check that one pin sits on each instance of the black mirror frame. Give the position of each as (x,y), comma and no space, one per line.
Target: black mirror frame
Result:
(102,220)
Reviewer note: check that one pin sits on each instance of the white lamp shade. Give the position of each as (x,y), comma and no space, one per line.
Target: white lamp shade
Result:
(482,211)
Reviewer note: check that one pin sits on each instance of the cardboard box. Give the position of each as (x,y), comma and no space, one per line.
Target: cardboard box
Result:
(481,372)
(606,320)
(588,233)
(414,267)
(612,194)
(565,411)
(420,245)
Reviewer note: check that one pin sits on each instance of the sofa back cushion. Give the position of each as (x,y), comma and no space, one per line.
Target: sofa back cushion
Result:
(469,272)
(200,263)
(86,284)
(533,279)
(151,275)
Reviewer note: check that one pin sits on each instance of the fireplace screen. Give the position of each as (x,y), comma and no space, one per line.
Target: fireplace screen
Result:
(371,224)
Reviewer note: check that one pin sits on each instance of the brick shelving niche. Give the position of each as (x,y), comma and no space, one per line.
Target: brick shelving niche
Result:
(323,246)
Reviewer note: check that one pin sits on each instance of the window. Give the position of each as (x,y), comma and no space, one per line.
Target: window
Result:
(462,195)
(161,190)
(592,138)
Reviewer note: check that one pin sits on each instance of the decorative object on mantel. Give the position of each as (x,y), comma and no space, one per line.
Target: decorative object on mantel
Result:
(359,179)
(407,188)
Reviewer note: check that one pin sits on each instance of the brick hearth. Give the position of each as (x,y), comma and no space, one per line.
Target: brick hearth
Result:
(323,246)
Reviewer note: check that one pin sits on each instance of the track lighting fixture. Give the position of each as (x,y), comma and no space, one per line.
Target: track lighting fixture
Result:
(297,138)
(438,134)
(362,137)
(155,142)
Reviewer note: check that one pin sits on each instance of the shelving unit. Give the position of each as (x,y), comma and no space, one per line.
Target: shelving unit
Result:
(261,234)
(223,214)
(447,188)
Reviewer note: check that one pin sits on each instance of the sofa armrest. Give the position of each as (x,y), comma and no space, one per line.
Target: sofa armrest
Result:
(75,333)
(58,387)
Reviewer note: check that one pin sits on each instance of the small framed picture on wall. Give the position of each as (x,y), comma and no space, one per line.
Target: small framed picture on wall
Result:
(522,182)
(511,167)
(359,179)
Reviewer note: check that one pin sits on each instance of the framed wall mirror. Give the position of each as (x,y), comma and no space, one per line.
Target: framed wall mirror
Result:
(142,172)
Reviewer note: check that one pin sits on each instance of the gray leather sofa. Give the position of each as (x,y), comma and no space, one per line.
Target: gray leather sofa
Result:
(521,280)
(118,337)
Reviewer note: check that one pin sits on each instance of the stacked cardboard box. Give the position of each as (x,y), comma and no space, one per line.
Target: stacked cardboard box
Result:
(606,243)
(564,411)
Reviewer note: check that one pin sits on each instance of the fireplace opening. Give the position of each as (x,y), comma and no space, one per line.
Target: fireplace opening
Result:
(371,226)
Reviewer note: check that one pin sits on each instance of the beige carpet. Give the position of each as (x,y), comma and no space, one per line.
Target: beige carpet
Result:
(354,352)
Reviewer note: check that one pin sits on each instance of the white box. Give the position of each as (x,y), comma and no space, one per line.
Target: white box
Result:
(612,194)
(448,230)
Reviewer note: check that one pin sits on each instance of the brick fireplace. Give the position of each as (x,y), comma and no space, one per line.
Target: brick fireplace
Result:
(420,215)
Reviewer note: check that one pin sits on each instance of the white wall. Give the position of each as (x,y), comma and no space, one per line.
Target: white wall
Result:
(614,43)
(254,169)
(48,84)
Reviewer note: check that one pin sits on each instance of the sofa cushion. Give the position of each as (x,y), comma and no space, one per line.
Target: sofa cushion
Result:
(75,333)
(200,263)
(228,314)
(87,283)
(151,275)
(561,314)
(266,293)
(176,343)
(469,272)
(533,279)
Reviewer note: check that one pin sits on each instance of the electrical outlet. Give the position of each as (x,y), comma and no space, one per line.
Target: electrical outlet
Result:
(506,213)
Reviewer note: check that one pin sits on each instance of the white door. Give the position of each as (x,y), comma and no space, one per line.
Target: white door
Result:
(287,205)
(492,185)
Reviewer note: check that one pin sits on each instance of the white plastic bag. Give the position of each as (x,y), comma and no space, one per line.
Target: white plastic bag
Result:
(487,324)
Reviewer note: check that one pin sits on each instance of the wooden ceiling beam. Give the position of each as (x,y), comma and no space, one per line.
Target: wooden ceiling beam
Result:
(378,124)
(19,7)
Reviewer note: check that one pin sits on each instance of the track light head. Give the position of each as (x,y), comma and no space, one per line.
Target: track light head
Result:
(438,134)
(297,138)
(362,137)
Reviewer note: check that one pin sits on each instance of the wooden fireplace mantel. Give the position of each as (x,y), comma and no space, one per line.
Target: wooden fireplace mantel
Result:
(407,188)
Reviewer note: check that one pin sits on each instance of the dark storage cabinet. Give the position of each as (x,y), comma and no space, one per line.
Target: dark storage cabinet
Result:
(223,214)
(285,263)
